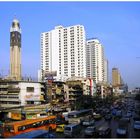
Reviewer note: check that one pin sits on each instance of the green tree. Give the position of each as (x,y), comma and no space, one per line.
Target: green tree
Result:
(137,97)
(84,102)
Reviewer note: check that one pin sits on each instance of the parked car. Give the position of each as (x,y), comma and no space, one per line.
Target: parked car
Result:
(104,131)
(136,125)
(90,131)
(60,128)
(88,122)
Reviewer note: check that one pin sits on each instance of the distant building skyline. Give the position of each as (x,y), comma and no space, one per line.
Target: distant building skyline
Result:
(116,77)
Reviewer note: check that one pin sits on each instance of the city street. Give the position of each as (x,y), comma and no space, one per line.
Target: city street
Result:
(113,124)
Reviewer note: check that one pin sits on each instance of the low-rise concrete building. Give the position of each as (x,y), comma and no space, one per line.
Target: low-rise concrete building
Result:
(79,86)
(104,89)
(22,99)
(58,91)
(21,93)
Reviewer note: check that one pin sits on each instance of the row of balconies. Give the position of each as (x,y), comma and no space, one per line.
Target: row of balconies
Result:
(9,99)
(3,86)
(10,90)
(9,105)
(3,92)
(8,93)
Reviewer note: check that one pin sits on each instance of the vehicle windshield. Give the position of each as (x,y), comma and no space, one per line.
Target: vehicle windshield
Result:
(122,128)
(59,127)
(68,128)
(72,116)
(87,120)
(138,123)
(90,129)
(9,128)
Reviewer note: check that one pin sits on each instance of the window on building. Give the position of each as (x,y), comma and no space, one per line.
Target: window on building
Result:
(30,89)
(30,102)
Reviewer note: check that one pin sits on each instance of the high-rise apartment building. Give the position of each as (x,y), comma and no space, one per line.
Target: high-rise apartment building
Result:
(15,50)
(63,52)
(116,77)
(106,73)
(95,60)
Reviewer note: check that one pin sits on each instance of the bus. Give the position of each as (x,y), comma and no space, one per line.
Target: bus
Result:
(79,116)
(34,134)
(15,128)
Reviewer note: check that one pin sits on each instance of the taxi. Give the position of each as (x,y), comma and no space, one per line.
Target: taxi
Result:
(60,128)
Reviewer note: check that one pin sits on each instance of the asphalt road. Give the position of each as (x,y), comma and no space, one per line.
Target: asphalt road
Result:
(113,125)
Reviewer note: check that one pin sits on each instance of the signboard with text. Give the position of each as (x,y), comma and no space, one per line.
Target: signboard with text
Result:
(31,96)
(50,75)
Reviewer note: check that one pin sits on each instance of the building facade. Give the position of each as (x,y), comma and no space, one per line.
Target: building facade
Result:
(21,93)
(104,90)
(106,71)
(63,52)
(77,87)
(95,60)
(116,77)
(15,50)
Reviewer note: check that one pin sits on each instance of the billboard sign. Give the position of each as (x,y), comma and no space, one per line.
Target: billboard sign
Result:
(50,75)
(32,97)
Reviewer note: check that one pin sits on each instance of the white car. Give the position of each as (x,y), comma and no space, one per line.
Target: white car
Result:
(90,131)
(137,125)
(88,122)
(121,131)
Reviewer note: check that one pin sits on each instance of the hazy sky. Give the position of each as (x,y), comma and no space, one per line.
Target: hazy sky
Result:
(115,24)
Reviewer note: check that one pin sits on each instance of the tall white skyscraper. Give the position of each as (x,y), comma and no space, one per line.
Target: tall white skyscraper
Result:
(95,60)
(63,51)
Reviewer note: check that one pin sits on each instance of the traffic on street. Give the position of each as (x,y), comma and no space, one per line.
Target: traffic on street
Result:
(117,120)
